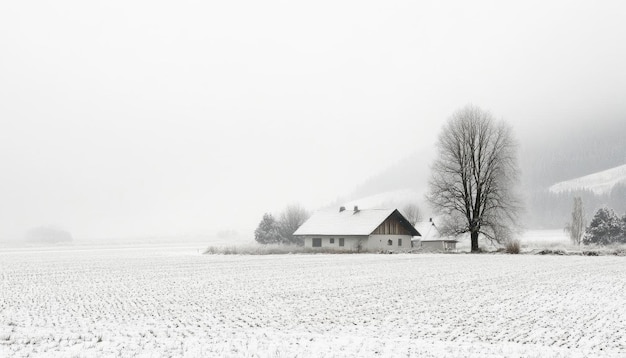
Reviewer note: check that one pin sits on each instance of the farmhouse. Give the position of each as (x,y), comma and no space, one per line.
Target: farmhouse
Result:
(431,239)
(369,229)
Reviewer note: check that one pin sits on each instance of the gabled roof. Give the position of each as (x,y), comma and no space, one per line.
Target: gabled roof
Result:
(349,222)
(430,232)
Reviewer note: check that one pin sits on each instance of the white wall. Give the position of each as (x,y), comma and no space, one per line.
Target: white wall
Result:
(350,242)
(380,242)
(372,243)
(438,246)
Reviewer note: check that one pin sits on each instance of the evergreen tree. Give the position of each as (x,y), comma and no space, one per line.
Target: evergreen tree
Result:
(605,228)
(268,231)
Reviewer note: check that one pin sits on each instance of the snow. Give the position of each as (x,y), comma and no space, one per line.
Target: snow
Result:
(347,222)
(171,301)
(599,183)
(541,239)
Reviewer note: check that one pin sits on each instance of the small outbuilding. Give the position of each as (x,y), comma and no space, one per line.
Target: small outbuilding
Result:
(439,245)
(432,240)
(368,229)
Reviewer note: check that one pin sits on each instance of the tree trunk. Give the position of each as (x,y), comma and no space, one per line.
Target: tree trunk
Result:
(474,236)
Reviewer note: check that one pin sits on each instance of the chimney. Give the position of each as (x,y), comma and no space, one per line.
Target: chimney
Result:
(356,209)
(430,220)
(342,208)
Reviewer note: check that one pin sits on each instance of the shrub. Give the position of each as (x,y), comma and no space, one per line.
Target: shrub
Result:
(552,252)
(590,253)
(619,252)
(512,247)
(276,249)
(212,250)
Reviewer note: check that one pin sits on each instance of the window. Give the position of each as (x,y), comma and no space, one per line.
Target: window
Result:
(332,240)
(317,242)
(399,242)
(389,242)
(341,241)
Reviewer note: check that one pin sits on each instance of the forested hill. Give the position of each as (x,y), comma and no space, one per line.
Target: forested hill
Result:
(600,183)
(550,158)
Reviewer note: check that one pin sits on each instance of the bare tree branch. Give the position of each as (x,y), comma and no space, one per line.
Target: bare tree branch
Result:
(412,213)
(290,220)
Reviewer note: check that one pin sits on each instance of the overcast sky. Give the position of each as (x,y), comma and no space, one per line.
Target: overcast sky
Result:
(131,118)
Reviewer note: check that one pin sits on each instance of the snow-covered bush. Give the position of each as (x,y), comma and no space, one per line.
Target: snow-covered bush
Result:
(268,231)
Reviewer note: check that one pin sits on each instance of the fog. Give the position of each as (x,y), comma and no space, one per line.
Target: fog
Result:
(174,118)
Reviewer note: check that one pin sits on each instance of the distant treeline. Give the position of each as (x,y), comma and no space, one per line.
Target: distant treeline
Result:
(549,210)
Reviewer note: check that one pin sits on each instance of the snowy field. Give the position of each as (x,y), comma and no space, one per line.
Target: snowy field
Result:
(172,301)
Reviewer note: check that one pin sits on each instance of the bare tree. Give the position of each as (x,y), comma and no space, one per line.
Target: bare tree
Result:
(473,177)
(412,213)
(576,229)
(290,220)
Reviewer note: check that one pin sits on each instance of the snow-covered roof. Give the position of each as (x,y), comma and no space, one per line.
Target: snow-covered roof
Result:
(346,222)
(430,232)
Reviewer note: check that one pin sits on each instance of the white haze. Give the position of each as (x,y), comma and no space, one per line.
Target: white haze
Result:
(142,118)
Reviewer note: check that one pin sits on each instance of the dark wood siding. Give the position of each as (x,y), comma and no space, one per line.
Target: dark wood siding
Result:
(392,226)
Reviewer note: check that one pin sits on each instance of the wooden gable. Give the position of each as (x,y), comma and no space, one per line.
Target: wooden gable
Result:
(395,224)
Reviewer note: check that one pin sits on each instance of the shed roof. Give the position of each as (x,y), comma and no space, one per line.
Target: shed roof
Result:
(349,222)
(430,232)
